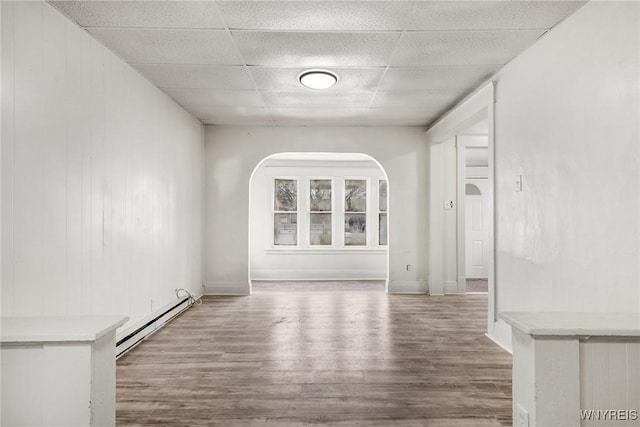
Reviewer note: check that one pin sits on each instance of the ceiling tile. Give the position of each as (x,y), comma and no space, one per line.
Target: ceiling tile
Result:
(317,114)
(337,115)
(429,100)
(197,76)
(462,47)
(399,62)
(311,99)
(169,46)
(233,115)
(190,98)
(143,14)
(489,15)
(437,77)
(298,49)
(349,79)
(315,15)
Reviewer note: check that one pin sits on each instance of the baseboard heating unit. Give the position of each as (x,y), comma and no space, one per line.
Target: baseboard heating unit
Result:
(130,338)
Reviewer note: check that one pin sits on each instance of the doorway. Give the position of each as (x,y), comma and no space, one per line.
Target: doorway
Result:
(318,222)
(447,221)
(473,230)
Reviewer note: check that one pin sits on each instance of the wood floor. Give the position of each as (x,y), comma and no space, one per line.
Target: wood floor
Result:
(258,286)
(331,358)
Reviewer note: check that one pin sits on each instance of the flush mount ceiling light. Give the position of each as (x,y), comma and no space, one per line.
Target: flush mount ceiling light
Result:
(318,79)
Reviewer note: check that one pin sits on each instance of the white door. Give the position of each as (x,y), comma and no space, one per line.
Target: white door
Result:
(476,229)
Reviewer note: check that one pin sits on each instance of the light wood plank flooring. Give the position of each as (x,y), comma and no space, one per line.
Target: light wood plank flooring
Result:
(258,286)
(298,359)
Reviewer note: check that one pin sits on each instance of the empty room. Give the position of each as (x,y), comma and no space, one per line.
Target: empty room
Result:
(303,213)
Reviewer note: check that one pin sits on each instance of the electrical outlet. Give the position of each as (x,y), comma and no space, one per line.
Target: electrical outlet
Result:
(522,417)
(448,204)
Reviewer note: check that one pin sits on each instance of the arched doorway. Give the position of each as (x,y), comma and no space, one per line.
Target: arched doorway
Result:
(318,217)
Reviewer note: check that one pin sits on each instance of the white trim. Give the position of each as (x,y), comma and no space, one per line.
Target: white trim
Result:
(475,141)
(450,287)
(328,250)
(407,287)
(500,334)
(309,212)
(457,118)
(275,212)
(227,288)
(213,288)
(461,220)
(436,219)
(470,110)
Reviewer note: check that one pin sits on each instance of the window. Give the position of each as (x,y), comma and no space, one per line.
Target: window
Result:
(382,212)
(320,206)
(285,212)
(355,212)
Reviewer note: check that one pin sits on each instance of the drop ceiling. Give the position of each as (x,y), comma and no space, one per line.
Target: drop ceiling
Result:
(237,62)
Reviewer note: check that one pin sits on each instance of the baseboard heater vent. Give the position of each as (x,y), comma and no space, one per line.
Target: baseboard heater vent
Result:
(148,328)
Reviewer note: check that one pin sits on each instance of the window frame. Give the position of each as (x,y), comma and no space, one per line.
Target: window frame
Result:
(274,211)
(332,212)
(366,213)
(385,212)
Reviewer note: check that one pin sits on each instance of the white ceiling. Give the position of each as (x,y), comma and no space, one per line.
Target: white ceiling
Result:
(237,62)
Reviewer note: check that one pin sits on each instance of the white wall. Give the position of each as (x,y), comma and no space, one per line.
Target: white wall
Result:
(567,120)
(306,262)
(232,153)
(102,177)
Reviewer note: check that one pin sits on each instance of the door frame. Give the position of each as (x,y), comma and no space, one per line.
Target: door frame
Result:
(466,113)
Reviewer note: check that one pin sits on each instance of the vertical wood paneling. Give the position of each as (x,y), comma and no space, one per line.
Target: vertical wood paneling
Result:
(7,100)
(98,179)
(89,212)
(75,42)
(617,377)
(54,130)
(28,190)
(117,162)
(610,379)
(633,376)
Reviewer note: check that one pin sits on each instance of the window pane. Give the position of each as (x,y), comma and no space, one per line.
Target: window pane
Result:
(320,195)
(320,229)
(286,195)
(355,229)
(382,201)
(355,195)
(382,229)
(285,229)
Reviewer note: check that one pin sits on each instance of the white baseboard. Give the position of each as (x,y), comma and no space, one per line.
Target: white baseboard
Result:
(349,274)
(226,288)
(500,333)
(450,287)
(408,287)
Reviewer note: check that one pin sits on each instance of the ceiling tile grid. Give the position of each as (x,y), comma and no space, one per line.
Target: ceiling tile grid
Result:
(237,62)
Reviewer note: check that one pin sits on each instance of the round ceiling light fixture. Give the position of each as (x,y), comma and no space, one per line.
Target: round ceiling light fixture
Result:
(318,79)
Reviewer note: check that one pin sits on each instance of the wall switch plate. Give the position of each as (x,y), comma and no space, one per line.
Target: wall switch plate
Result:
(522,417)
(518,182)
(448,204)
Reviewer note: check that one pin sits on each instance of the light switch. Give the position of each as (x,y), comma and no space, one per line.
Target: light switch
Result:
(518,182)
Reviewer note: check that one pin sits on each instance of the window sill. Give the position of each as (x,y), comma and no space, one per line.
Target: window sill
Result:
(326,251)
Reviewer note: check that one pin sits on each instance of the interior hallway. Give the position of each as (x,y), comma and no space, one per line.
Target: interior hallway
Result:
(337,358)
